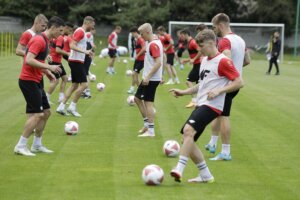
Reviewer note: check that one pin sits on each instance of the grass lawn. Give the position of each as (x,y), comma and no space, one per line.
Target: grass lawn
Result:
(105,160)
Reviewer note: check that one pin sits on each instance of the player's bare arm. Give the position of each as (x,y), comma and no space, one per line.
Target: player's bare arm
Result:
(236,84)
(30,60)
(73,46)
(143,50)
(227,53)
(20,50)
(62,52)
(178,92)
(247,58)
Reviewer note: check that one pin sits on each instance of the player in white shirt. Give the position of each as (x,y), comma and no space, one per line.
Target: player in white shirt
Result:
(234,47)
(217,77)
(152,76)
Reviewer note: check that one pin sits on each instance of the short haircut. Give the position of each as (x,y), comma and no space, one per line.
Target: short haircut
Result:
(145,27)
(69,24)
(221,18)
(88,19)
(40,17)
(201,27)
(118,28)
(205,35)
(133,29)
(185,32)
(55,21)
(161,28)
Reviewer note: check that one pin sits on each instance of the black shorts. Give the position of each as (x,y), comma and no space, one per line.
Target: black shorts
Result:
(112,53)
(147,92)
(199,119)
(179,52)
(78,73)
(228,102)
(35,96)
(63,71)
(87,64)
(66,57)
(138,66)
(170,59)
(194,73)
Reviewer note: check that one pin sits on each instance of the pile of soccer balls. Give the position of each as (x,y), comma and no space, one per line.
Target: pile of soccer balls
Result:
(153,174)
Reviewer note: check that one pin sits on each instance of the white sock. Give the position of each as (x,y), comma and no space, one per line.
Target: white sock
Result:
(151,128)
(213,140)
(182,163)
(37,141)
(22,141)
(225,149)
(72,106)
(204,171)
(146,122)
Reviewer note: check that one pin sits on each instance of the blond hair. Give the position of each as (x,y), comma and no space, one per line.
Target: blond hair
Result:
(146,27)
(221,18)
(40,18)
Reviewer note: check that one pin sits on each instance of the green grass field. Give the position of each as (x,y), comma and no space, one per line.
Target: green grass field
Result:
(105,160)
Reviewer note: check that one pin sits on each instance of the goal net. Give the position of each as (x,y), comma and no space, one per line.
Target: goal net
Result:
(256,36)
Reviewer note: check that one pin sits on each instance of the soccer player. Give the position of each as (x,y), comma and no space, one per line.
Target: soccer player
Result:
(56,53)
(88,60)
(233,46)
(112,49)
(195,54)
(168,45)
(200,27)
(152,76)
(274,50)
(76,63)
(140,49)
(180,49)
(217,77)
(68,39)
(37,108)
(39,25)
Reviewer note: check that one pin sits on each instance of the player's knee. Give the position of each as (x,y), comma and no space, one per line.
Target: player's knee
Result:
(188,131)
(47,113)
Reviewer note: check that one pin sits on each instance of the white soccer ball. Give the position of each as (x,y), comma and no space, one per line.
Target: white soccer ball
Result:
(125,61)
(92,77)
(171,148)
(71,128)
(128,72)
(153,175)
(100,86)
(130,100)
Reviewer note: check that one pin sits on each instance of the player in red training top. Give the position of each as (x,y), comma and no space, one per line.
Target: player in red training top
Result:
(181,45)
(56,54)
(76,63)
(37,108)
(195,60)
(140,49)
(168,44)
(39,25)
(217,77)
(112,49)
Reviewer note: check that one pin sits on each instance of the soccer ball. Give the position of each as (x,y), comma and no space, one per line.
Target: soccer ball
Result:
(71,128)
(130,100)
(153,175)
(125,61)
(128,72)
(100,86)
(92,77)
(171,148)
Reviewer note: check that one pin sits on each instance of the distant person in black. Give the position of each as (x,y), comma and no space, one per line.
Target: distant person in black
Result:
(274,51)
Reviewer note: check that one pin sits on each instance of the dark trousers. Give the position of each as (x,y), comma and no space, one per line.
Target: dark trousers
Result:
(273,60)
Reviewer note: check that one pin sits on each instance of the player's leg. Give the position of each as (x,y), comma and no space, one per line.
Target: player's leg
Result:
(169,71)
(215,130)
(276,65)
(270,65)
(52,86)
(140,103)
(64,80)
(173,70)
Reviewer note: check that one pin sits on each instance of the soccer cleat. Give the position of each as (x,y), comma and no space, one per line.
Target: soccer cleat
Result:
(143,130)
(73,112)
(23,150)
(210,148)
(221,156)
(277,73)
(190,105)
(200,179)
(61,111)
(176,175)
(42,149)
(170,82)
(147,134)
(130,91)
